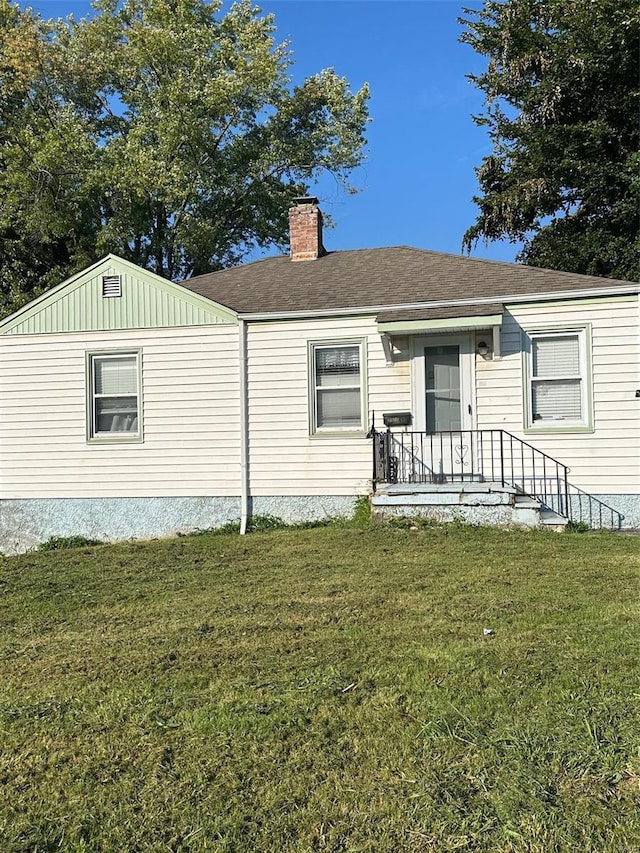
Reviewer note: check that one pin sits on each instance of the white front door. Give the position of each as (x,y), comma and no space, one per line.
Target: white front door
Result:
(443,400)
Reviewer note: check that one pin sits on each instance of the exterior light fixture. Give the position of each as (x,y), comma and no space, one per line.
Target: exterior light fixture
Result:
(483,348)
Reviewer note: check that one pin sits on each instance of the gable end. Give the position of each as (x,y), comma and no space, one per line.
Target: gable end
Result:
(113,295)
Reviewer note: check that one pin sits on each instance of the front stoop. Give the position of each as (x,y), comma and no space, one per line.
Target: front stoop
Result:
(490,504)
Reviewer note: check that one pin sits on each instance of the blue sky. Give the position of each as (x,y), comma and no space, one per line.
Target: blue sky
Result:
(418,181)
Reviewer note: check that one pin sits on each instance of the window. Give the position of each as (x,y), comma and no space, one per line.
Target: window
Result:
(337,387)
(557,387)
(114,396)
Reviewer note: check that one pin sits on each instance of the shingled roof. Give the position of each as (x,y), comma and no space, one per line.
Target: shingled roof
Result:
(376,279)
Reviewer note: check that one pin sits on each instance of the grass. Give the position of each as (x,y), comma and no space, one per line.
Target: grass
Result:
(323,690)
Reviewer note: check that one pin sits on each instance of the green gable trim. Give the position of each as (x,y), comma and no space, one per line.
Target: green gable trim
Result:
(148,301)
(484,322)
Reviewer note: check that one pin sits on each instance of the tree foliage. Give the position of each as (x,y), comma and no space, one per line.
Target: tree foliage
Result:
(160,130)
(562,104)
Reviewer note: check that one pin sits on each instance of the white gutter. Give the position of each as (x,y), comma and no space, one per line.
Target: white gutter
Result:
(513,299)
(244,427)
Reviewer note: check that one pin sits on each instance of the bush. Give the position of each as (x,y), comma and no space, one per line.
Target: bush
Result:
(578,527)
(59,543)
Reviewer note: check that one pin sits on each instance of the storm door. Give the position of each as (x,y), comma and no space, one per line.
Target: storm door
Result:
(442,388)
(443,381)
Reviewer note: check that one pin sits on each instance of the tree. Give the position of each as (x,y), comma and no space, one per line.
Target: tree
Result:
(159,130)
(562,104)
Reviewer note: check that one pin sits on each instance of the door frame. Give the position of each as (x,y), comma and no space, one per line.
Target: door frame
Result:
(465,341)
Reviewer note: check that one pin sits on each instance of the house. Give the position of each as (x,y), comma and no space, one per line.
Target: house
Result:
(131,406)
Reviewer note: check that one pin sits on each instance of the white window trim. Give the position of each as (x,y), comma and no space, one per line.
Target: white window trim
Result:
(94,437)
(329,432)
(585,422)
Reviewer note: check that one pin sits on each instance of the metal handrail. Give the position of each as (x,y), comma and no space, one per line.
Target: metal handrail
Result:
(467,455)
(581,516)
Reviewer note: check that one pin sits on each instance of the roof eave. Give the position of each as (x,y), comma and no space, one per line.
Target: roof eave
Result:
(618,289)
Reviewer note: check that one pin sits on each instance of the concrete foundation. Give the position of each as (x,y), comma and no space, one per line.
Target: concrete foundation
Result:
(24,524)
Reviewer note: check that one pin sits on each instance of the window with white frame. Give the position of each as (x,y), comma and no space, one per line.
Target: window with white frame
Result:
(114,396)
(557,392)
(336,374)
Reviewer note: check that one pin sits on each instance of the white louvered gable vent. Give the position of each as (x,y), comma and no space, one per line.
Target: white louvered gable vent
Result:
(111,286)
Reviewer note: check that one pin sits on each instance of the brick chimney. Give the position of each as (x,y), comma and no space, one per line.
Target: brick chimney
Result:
(305,229)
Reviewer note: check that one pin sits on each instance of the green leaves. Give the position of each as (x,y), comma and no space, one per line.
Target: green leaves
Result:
(159,130)
(561,89)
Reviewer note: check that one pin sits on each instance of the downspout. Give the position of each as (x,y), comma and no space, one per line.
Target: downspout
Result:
(244,427)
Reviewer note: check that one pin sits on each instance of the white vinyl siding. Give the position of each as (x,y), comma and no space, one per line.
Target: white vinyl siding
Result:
(189,397)
(190,400)
(557,379)
(114,396)
(336,387)
(285,458)
(605,459)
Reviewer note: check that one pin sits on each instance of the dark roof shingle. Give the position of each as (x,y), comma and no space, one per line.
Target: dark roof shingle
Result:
(377,278)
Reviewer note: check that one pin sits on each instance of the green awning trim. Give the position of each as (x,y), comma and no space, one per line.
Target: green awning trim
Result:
(405,326)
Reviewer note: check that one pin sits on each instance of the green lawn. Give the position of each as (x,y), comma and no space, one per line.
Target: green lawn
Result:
(323,690)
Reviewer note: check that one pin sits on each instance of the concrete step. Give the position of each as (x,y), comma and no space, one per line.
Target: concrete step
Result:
(466,487)
(473,502)
(552,519)
(446,498)
(525,502)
